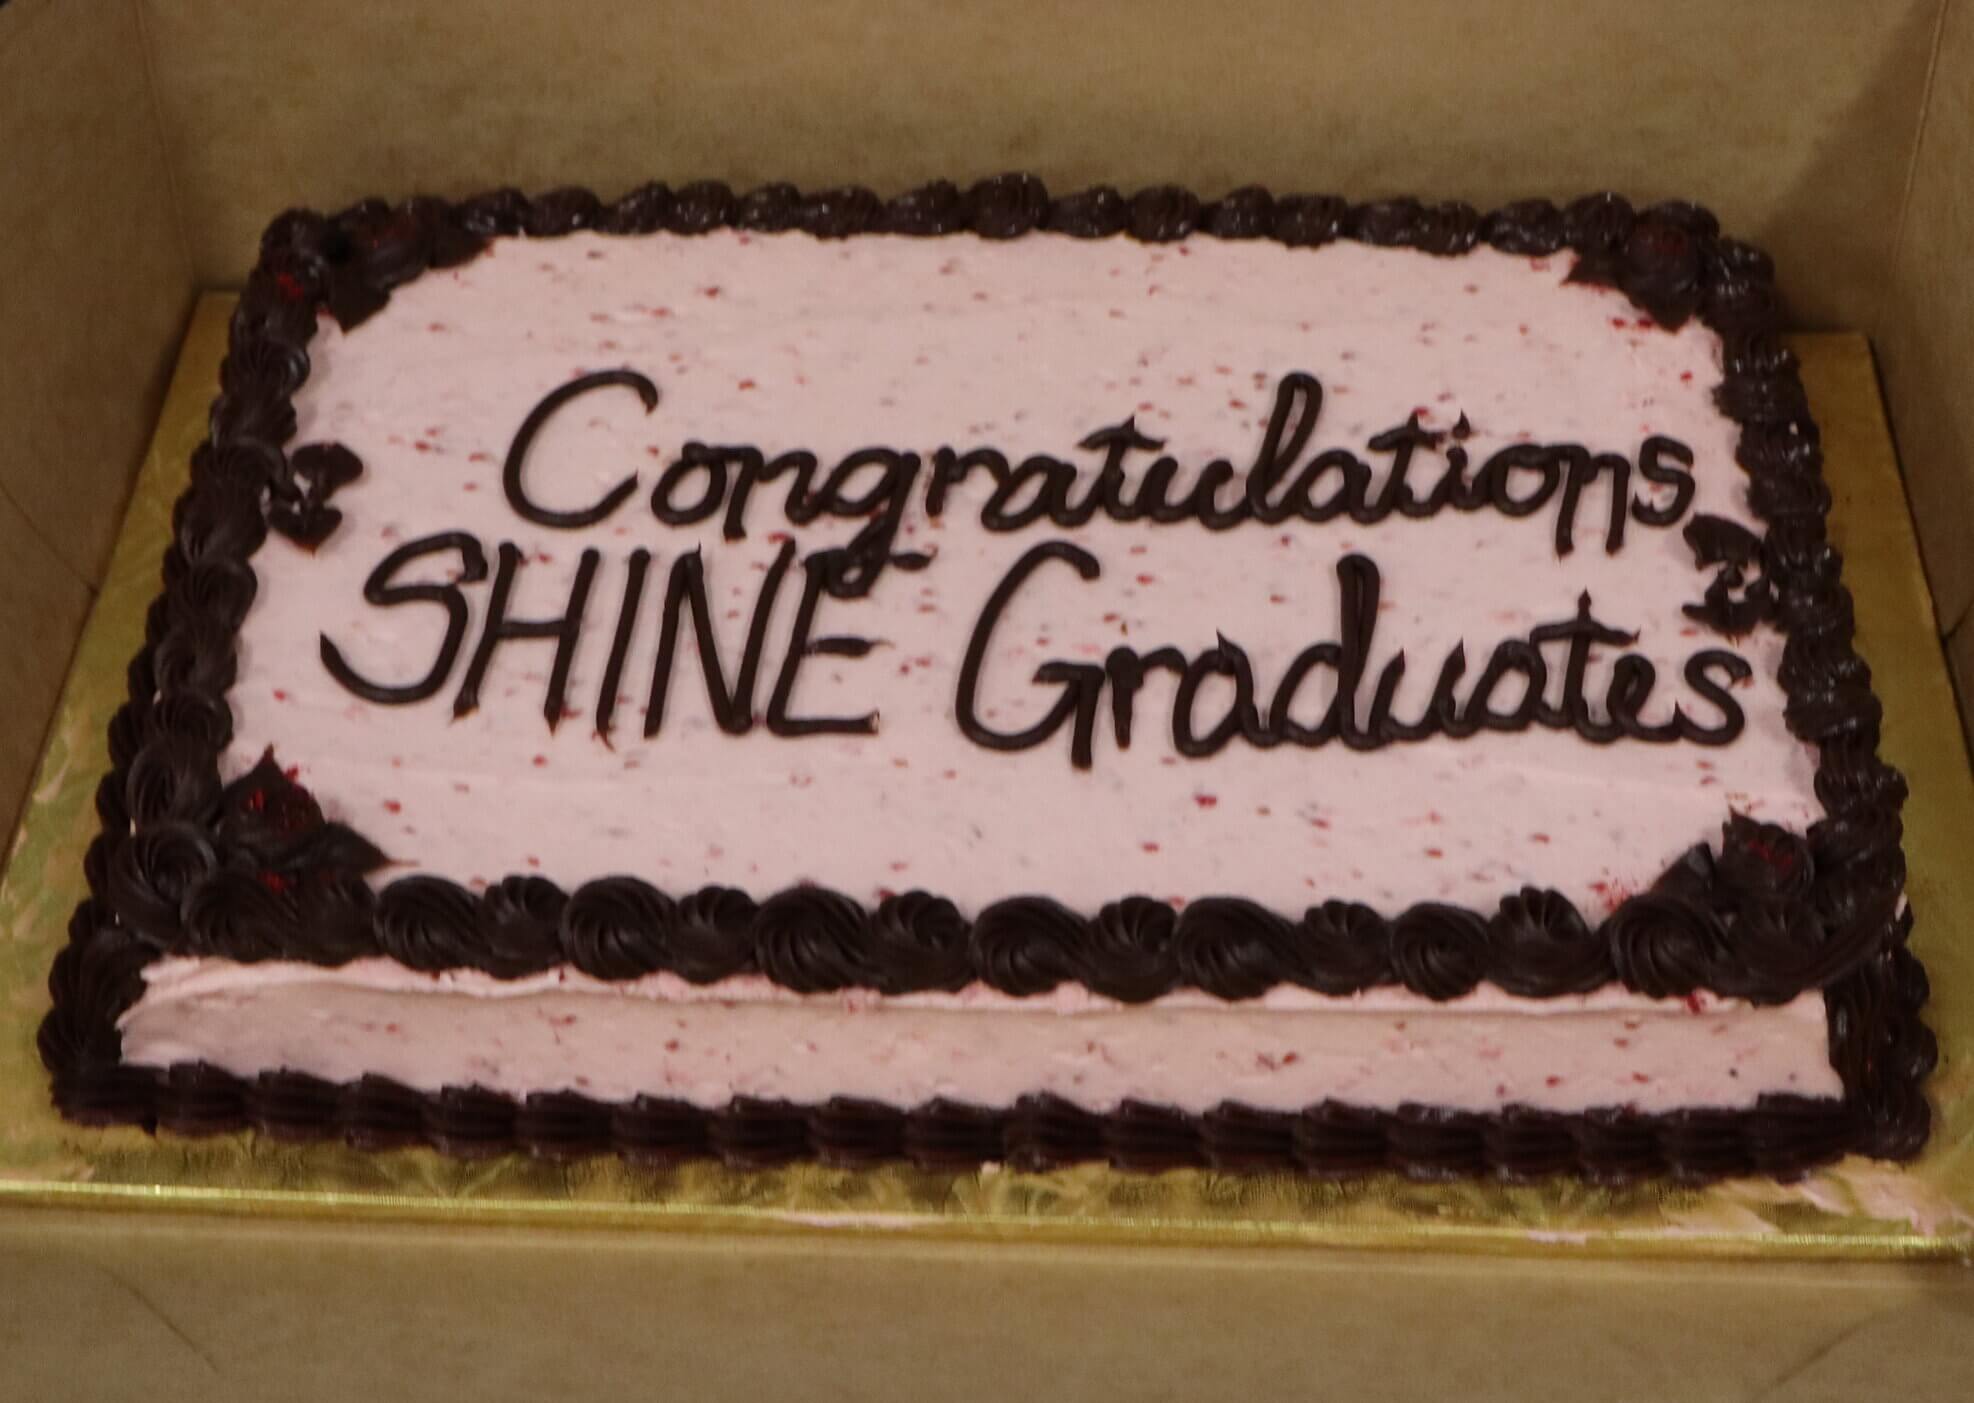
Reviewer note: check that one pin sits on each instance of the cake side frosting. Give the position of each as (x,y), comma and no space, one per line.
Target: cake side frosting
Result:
(744,1037)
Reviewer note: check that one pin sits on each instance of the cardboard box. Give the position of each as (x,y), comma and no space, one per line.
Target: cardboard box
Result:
(147,141)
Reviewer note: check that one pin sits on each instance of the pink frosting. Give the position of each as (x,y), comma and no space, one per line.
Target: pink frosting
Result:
(563,1030)
(788,342)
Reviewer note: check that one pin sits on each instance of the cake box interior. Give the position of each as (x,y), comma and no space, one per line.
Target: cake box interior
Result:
(149,140)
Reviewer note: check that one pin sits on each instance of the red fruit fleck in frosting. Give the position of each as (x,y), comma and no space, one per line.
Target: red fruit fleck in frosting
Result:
(1206,801)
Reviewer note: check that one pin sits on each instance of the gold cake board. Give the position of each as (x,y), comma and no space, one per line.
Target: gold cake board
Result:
(1858,1209)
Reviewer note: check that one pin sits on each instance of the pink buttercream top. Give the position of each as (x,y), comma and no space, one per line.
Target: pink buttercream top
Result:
(786,342)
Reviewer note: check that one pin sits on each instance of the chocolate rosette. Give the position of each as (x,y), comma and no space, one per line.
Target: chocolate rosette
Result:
(494,213)
(617,928)
(1539,946)
(427,923)
(837,214)
(1790,1135)
(1006,206)
(917,941)
(927,212)
(171,778)
(1439,951)
(812,940)
(218,587)
(1028,945)
(562,211)
(1333,1140)
(1822,663)
(469,1122)
(1130,945)
(263,366)
(1615,1145)
(196,655)
(1246,1139)
(111,807)
(1246,213)
(1665,944)
(850,1133)
(252,412)
(562,1125)
(1150,1139)
(1434,1144)
(1345,947)
(1162,214)
(239,469)
(700,207)
(640,211)
(1096,213)
(1305,221)
(1045,1131)
(153,872)
(1597,226)
(1529,228)
(519,922)
(376,1113)
(129,730)
(708,938)
(944,1134)
(657,1130)
(752,1133)
(447,243)
(1233,948)
(1447,230)
(335,916)
(1659,270)
(1782,947)
(1897,1054)
(1523,1146)
(1770,449)
(1395,223)
(95,977)
(1761,862)
(1849,776)
(239,916)
(291,1105)
(769,209)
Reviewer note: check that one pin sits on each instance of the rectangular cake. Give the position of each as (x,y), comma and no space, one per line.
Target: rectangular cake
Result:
(1270,683)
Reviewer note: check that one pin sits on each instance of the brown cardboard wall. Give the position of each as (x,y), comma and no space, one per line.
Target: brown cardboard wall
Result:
(1925,338)
(1794,121)
(94,286)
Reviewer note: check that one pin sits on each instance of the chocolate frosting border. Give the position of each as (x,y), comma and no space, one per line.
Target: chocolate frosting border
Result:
(170,872)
